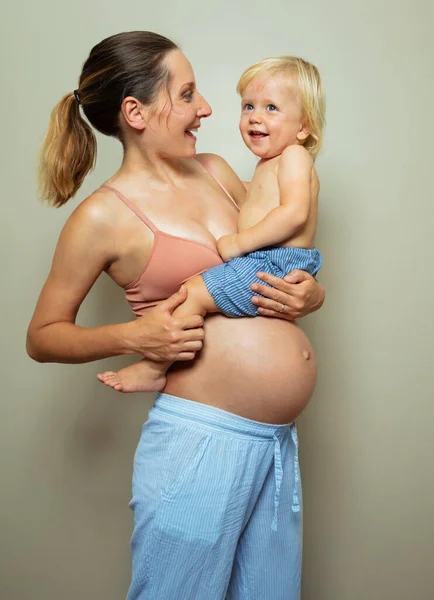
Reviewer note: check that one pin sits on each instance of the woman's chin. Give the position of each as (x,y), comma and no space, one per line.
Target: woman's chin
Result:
(182,153)
(190,152)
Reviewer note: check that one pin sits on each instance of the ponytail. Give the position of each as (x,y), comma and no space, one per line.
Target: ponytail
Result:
(68,153)
(125,64)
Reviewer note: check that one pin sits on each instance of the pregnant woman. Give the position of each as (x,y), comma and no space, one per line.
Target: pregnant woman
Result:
(216,486)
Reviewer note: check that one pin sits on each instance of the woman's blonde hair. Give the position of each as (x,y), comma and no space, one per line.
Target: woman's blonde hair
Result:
(126,64)
(308,81)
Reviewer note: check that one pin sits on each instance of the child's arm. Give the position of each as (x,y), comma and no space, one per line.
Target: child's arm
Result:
(294,179)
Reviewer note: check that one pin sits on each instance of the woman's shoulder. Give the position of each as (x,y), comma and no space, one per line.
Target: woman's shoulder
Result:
(223,171)
(92,225)
(215,162)
(97,210)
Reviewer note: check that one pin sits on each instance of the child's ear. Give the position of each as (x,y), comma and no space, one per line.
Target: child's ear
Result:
(303,134)
(134,113)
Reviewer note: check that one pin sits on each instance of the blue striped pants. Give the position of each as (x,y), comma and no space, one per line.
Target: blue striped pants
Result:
(216,500)
(229,283)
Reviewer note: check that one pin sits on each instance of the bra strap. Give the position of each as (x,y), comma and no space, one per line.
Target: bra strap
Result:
(133,207)
(217,180)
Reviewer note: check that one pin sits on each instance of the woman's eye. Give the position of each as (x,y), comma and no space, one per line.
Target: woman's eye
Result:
(248,106)
(188,95)
(271,107)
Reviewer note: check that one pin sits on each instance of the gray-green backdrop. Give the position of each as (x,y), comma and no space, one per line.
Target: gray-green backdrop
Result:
(66,442)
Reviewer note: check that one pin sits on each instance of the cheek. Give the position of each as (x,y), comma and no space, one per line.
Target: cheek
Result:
(284,128)
(244,124)
(181,117)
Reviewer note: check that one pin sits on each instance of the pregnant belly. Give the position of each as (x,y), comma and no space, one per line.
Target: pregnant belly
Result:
(261,368)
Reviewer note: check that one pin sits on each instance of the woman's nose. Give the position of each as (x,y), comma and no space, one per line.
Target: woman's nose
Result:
(204,109)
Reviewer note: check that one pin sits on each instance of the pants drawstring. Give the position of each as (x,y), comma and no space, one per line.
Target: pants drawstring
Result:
(278,475)
(295,498)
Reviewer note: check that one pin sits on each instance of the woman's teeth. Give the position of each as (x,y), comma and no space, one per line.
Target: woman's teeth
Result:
(191,132)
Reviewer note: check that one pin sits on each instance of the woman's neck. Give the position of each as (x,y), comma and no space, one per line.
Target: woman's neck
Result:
(151,168)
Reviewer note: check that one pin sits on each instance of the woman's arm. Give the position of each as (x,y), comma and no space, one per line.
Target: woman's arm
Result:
(295,296)
(82,253)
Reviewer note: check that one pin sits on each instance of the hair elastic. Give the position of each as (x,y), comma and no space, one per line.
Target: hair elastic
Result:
(77,96)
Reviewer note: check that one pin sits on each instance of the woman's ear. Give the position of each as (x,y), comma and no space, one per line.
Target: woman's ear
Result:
(134,113)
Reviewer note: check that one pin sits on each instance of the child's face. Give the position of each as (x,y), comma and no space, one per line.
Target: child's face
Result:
(271,117)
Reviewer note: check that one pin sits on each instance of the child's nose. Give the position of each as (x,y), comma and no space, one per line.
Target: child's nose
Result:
(254,117)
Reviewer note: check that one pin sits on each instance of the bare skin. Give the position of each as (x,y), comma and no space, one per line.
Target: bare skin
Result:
(102,234)
(281,207)
(264,197)
(148,375)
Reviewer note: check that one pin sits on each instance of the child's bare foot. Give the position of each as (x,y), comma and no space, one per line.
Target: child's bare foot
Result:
(144,376)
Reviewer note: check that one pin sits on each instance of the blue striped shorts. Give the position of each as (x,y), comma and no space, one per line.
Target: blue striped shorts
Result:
(216,500)
(229,283)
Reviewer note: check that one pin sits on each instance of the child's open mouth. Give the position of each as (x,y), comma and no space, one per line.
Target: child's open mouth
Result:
(257,135)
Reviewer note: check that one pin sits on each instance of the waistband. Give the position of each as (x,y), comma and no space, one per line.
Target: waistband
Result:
(276,252)
(216,418)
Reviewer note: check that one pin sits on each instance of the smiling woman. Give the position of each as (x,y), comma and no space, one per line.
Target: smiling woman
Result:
(216,470)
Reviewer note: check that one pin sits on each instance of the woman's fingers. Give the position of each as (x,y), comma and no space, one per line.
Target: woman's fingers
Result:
(191,322)
(270,292)
(265,312)
(287,308)
(274,299)
(298,276)
(186,356)
(193,335)
(189,349)
(281,299)
(187,344)
(289,284)
(193,346)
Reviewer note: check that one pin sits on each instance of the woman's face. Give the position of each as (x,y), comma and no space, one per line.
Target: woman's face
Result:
(178,112)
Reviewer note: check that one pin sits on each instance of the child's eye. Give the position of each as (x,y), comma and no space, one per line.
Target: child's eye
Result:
(271,107)
(248,106)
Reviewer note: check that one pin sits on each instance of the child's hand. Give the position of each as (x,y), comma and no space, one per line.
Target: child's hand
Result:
(228,247)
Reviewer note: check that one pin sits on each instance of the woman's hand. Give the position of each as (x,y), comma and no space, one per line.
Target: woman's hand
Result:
(290,298)
(159,336)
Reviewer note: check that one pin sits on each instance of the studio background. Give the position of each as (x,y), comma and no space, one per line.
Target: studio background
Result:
(67,443)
